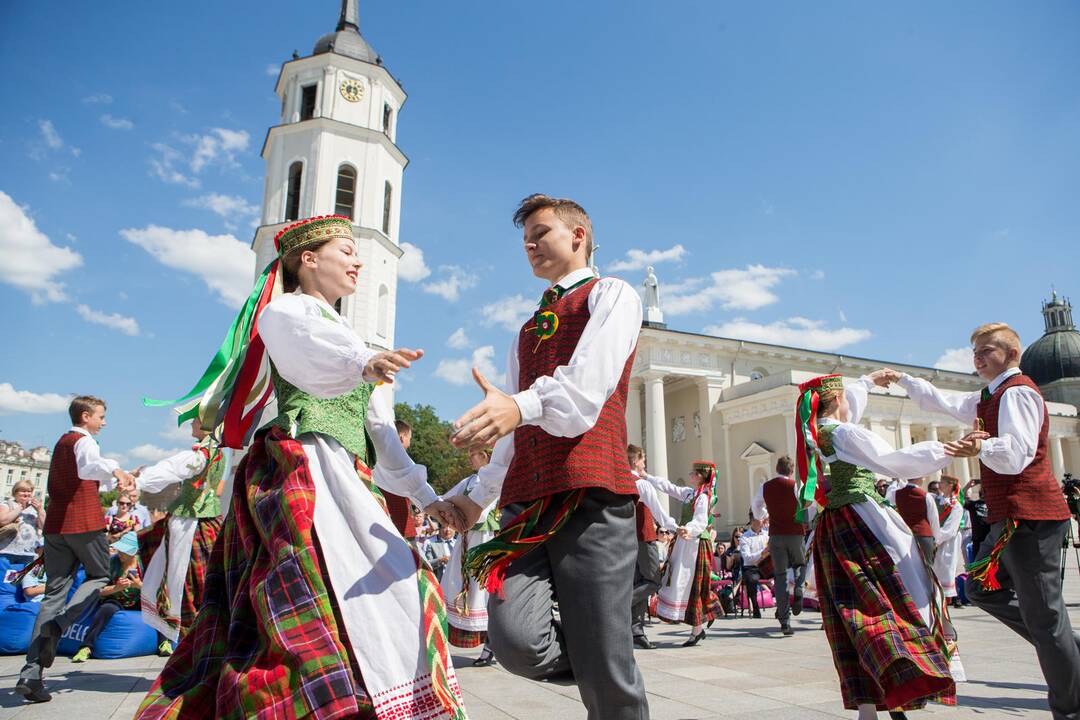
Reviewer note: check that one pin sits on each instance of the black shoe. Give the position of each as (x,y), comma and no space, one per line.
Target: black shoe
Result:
(642,642)
(33,690)
(955,603)
(757,614)
(786,630)
(897,715)
(49,635)
(694,640)
(486,659)
(796,606)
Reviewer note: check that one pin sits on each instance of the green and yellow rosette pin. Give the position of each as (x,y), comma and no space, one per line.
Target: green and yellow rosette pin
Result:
(547,324)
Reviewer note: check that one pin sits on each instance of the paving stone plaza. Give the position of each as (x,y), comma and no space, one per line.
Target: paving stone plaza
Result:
(745,668)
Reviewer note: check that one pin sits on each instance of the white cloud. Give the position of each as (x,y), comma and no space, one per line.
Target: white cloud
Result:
(455,279)
(30,261)
(116,123)
(164,166)
(459,340)
(230,207)
(59,175)
(795,332)
(176,433)
(459,371)
(219,145)
(49,134)
(411,265)
(273,69)
(224,263)
(124,324)
(817,275)
(508,312)
(956,359)
(640,259)
(98,99)
(748,289)
(150,453)
(24,401)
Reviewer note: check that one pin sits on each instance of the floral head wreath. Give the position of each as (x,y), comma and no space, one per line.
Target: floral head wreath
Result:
(236,387)
(808,458)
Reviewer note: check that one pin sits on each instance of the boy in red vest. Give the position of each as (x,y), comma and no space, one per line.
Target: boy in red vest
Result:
(649,512)
(1015,576)
(398,506)
(560,473)
(777,499)
(74,534)
(920,513)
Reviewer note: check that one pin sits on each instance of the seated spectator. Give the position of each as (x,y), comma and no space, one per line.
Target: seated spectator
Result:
(663,543)
(437,550)
(21,520)
(123,520)
(425,528)
(732,561)
(753,547)
(33,583)
(122,592)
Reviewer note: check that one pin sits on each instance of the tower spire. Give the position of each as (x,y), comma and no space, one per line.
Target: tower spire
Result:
(350,16)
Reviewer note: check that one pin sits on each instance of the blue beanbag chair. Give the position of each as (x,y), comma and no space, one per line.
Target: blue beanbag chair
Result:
(7,590)
(16,627)
(124,636)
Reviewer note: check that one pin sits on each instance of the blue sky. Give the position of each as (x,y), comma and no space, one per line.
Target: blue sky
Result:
(863,178)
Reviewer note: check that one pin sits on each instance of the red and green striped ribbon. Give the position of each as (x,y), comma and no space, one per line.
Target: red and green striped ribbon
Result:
(985,570)
(810,469)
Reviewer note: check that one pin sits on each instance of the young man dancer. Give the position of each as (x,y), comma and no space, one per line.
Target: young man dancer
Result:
(648,513)
(777,499)
(1015,576)
(567,492)
(74,534)
(920,513)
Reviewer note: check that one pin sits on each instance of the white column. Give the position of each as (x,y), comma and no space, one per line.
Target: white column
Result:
(1057,457)
(931,434)
(655,426)
(633,414)
(727,478)
(1074,455)
(792,438)
(905,434)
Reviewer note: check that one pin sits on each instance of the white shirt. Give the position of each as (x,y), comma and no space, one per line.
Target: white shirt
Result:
(864,448)
(91,465)
(1020,419)
(931,506)
(174,469)
(314,349)
(651,500)
(752,545)
(568,402)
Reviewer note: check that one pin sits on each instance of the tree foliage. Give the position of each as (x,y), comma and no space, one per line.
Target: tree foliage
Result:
(431,446)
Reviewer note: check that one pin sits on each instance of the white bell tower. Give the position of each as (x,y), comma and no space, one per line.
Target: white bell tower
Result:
(334,153)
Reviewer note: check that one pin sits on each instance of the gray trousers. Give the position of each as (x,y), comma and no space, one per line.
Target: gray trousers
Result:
(63,555)
(1030,602)
(786,551)
(927,547)
(646,582)
(586,568)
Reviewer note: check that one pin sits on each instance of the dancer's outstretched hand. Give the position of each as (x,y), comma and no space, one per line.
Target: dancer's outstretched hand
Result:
(492,418)
(884,377)
(385,365)
(467,510)
(445,513)
(968,446)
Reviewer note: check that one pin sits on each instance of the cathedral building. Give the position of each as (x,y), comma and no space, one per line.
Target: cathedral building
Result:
(732,401)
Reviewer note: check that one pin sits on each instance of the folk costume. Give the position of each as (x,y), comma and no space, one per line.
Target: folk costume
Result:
(176,549)
(466,598)
(567,496)
(778,500)
(1015,576)
(648,512)
(315,606)
(878,601)
(686,594)
(920,513)
(949,555)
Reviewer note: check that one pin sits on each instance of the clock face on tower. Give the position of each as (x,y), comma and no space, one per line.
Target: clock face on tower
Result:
(352,90)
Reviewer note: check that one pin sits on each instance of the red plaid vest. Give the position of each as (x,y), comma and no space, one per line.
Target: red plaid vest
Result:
(1034,494)
(544,464)
(911,504)
(779,494)
(400,514)
(74,504)
(646,523)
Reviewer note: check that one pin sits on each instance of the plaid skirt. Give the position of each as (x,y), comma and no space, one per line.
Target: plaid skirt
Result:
(206,532)
(466,638)
(883,651)
(267,641)
(703,604)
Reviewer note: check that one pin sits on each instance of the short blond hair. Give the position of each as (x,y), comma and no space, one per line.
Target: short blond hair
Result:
(22,485)
(997,333)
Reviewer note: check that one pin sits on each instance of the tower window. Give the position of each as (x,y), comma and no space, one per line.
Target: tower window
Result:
(388,197)
(307,101)
(292,196)
(387,116)
(345,200)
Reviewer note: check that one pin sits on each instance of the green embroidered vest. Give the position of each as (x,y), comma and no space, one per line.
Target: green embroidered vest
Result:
(198,495)
(850,484)
(341,417)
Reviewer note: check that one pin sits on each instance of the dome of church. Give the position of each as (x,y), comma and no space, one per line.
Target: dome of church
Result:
(346,39)
(1056,355)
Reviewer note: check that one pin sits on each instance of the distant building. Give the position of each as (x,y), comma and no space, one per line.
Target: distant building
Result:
(18,464)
